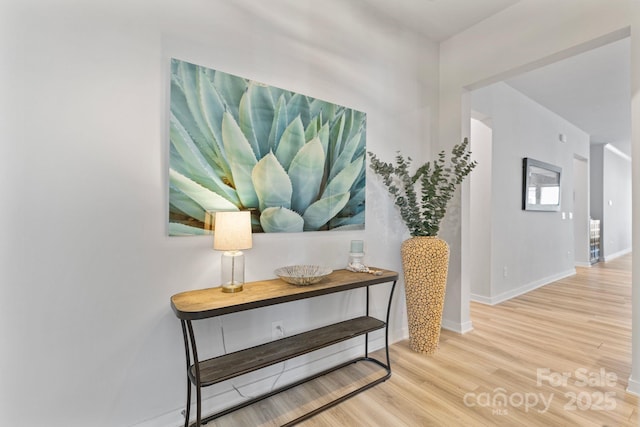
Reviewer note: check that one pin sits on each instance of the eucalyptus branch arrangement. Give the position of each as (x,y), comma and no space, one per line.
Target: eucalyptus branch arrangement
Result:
(438,182)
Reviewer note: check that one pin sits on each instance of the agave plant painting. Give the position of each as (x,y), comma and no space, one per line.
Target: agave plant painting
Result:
(296,162)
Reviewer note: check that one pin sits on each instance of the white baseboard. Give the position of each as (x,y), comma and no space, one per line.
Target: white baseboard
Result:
(481,299)
(461,328)
(583,264)
(398,335)
(634,386)
(617,254)
(521,290)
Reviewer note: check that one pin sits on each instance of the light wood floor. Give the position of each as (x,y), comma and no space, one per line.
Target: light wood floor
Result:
(518,351)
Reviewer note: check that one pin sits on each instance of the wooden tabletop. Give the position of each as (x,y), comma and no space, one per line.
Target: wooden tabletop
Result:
(203,303)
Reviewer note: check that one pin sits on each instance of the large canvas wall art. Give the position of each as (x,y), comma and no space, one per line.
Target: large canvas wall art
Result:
(296,162)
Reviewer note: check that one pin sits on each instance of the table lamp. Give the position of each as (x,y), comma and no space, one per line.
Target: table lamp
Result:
(232,233)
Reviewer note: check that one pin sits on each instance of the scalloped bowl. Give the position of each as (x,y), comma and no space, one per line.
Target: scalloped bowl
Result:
(303,274)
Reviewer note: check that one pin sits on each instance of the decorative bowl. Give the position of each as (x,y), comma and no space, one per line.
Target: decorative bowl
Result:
(303,274)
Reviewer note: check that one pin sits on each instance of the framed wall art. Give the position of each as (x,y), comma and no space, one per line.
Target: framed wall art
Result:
(296,162)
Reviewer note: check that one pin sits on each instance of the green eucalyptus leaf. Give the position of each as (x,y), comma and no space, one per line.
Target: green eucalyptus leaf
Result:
(437,181)
(204,197)
(272,184)
(283,220)
(305,172)
(241,159)
(291,142)
(321,212)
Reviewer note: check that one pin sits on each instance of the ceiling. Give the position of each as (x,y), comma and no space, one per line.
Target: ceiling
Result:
(591,90)
(439,19)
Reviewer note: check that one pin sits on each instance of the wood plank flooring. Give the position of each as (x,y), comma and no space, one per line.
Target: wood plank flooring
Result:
(557,356)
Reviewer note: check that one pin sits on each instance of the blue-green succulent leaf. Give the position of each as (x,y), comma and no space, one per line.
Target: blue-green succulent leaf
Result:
(188,75)
(346,132)
(291,142)
(280,122)
(323,134)
(212,107)
(346,156)
(277,93)
(204,197)
(283,220)
(196,165)
(345,179)
(321,212)
(312,130)
(177,229)
(180,109)
(362,148)
(305,172)
(317,106)
(241,159)
(180,202)
(355,222)
(335,137)
(356,203)
(272,183)
(231,88)
(256,117)
(298,105)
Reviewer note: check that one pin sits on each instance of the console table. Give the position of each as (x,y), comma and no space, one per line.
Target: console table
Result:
(206,303)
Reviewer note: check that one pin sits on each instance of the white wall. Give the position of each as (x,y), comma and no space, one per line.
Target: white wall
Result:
(596,181)
(528,249)
(581,225)
(496,49)
(481,195)
(502,46)
(611,204)
(616,233)
(87,268)
(634,379)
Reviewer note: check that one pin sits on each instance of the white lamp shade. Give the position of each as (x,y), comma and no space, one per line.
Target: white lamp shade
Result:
(232,231)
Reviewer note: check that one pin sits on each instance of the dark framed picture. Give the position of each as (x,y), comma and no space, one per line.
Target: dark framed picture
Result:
(540,185)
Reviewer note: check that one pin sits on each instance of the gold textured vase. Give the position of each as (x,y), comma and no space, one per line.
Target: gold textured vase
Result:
(425,262)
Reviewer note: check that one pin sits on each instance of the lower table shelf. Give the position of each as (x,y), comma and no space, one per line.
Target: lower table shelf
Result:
(206,303)
(248,360)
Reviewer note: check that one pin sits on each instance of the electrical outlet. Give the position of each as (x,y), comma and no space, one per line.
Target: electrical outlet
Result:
(277,330)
